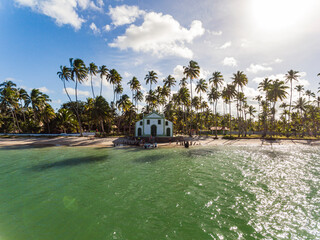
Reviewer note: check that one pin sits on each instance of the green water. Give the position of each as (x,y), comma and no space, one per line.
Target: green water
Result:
(197,193)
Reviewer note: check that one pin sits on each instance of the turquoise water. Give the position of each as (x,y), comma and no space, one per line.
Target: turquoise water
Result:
(198,193)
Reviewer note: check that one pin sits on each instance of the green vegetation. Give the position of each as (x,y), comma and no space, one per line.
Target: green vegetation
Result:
(23,112)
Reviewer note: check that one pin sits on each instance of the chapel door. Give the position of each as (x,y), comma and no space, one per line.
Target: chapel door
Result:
(154,130)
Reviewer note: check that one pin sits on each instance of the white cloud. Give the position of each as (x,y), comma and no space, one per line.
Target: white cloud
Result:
(71,92)
(178,72)
(63,11)
(124,14)
(255,68)
(230,61)
(107,28)
(44,90)
(215,33)
(94,28)
(100,3)
(278,60)
(126,74)
(244,43)
(160,35)
(226,45)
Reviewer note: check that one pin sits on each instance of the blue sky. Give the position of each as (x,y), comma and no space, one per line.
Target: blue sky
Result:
(262,38)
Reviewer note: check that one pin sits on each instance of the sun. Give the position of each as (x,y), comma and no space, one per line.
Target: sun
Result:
(280,16)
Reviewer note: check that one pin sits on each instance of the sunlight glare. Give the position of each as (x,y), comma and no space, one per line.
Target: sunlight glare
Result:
(280,15)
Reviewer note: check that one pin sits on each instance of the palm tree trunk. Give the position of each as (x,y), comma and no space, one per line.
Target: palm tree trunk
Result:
(77,112)
(215,118)
(290,102)
(101,87)
(92,88)
(230,118)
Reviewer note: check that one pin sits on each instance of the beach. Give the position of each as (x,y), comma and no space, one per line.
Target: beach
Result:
(109,142)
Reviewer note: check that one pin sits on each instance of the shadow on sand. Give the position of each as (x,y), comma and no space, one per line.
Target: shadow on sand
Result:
(70,162)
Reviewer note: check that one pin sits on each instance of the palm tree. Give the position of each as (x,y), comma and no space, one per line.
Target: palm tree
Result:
(151,77)
(93,70)
(239,80)
(65,76)
(228,93)
(100,111)
(251,111)
(291,76)
(9,101)
(38,101)
(104,72)
(201,86)
(213,97)
(191,71)
(309,94)
(216,79)
(301,104)
(48,115)
(299,89)
(115,80)
(134,85)
(118,90)
(277,91)
(138,97)
(151,100)
(79,73)
(169,82)
(183,82)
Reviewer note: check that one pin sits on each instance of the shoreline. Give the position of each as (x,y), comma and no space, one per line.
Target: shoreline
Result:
(108,142)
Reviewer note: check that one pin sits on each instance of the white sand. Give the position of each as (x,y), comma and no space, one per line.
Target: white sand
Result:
(108,142)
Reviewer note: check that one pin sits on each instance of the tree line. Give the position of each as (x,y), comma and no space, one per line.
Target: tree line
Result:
(23,112)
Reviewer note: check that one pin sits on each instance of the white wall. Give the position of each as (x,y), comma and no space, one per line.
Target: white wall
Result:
(147,127)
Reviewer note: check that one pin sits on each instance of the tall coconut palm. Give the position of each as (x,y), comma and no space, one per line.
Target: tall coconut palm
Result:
(310,94)
(183,82)
(38,101)
(290,77)
(134,85)
(9,101)
(79,73)
(93,70)
(104,72)
(201,86)
(138,97)
(301,105)
(65,75)
(151,100)
(299,89)
(48,114)
(100,111)
(169,82)
(118,90)
(213,97)
(216,79)
(115,79)
(191,71)
(239,80)
(251,111)
(277,91)
(151,77)
(228,93)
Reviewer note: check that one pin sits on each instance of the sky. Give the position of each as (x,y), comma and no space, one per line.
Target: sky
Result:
(264,38)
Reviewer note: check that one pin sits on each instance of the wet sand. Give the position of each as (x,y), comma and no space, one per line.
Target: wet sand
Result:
(109,142)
